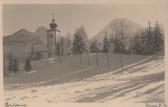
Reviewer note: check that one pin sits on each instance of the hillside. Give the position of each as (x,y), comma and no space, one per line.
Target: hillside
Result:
(21,42)
(115,26)
(41,33)
(141,80)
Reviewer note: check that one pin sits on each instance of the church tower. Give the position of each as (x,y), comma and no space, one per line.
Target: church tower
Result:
(51,39)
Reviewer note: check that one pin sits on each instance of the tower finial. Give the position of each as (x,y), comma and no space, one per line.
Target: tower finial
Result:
(53,25)
(53,16)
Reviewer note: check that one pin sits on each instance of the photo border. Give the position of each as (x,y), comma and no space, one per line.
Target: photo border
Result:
(132,2)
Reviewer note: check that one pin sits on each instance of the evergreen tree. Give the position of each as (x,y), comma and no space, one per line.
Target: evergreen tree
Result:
(105,44)
(83,33)
(158,38)
(149,41)
(93,46)
(80,42)
(106,49)
(69,43)
(79,45)
(138,44)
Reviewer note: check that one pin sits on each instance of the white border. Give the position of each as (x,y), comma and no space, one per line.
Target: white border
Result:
(86,2)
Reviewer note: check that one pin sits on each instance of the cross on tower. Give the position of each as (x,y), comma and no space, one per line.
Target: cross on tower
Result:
(53,16)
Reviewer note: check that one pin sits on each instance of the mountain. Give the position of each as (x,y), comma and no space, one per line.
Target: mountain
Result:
(115,26)
(21,42)
(41,33)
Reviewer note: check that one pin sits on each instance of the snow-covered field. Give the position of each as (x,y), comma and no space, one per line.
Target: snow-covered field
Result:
(141,81)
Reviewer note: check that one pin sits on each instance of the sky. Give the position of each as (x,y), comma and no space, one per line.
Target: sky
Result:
(70,16)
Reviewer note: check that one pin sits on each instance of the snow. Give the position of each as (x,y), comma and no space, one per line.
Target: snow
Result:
(137,82)
(31,72)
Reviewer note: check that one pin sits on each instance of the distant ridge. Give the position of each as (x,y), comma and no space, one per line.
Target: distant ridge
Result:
(41,33)
(114,25)
(21,41)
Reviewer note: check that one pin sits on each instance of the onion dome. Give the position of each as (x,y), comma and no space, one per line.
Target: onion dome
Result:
(53,25)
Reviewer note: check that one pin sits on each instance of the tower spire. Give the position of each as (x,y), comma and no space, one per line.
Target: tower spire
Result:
(53,25)
(53,17)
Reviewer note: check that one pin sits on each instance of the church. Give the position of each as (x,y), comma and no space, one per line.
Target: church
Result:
(52,39)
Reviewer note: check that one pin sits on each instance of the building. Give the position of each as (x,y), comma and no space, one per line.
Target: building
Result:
(51,39)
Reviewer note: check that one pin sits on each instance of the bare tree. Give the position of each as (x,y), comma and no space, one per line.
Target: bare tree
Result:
(106,48)
(121,34)
(88,59)
(97,61)
(62,45)
(149,41)
(58,50)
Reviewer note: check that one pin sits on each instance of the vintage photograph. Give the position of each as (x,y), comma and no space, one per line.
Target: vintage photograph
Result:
(83,53)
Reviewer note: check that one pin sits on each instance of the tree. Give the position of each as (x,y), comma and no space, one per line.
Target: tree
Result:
(106,48)
(111,43)
(120,40)
(62,45)
(84,36)
(15,65)
(58,48)
(79,42)
(93,46)
(149,41)
(28,65)
(12,63)
(79,45)
(158,38)
(138,42)
(105,44)
(32,52)
(69,43)
(88,59)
